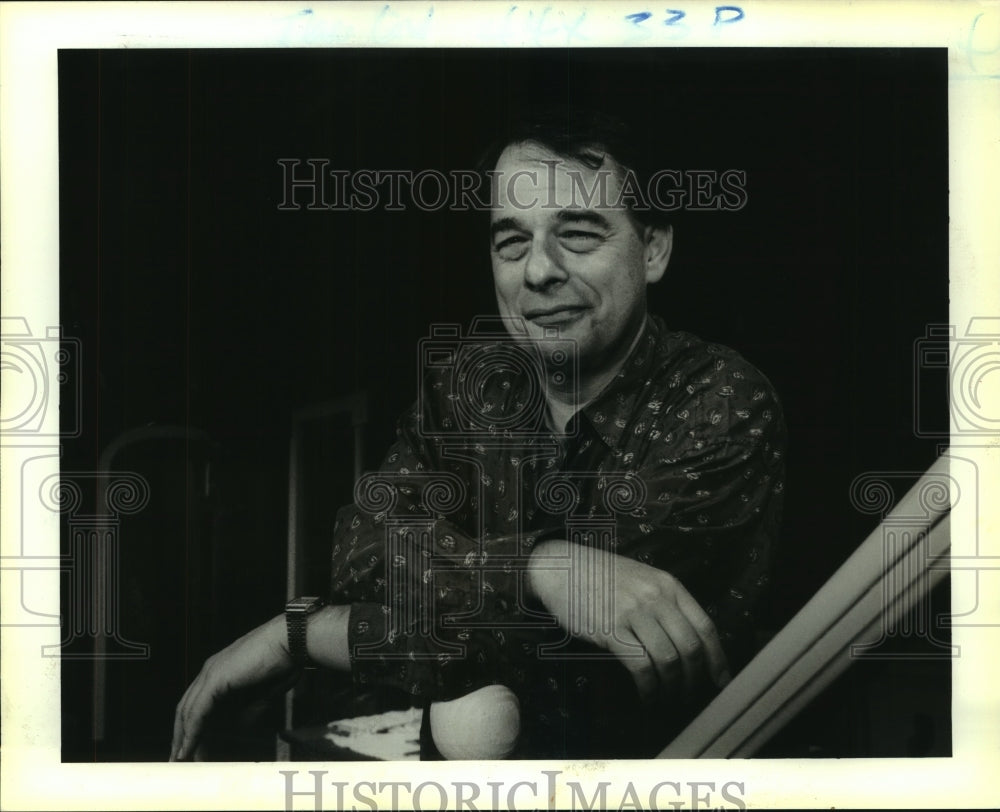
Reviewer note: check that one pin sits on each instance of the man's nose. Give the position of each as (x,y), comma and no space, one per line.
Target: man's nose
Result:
(543,268)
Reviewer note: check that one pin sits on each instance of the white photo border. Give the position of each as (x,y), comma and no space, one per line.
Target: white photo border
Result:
(31,34)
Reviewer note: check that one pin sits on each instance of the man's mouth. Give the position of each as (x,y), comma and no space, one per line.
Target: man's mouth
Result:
(554,316)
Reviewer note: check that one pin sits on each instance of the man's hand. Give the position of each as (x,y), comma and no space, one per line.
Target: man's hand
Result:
(259,656)
(626,607)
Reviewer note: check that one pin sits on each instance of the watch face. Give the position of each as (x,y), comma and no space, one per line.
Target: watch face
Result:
(303,605)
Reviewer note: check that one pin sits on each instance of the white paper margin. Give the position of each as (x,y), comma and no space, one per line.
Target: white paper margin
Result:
(30,34)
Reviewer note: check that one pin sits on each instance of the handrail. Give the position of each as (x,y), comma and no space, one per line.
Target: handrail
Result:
(880,580)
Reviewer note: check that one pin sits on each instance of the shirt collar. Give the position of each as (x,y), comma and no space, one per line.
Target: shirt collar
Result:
(607,413)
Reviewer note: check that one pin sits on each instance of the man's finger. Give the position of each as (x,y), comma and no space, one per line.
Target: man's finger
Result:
(196,709)
(660,650)
(685,639)
(640,667)
(175,745)
(718,665)
(183,708)
(179,715)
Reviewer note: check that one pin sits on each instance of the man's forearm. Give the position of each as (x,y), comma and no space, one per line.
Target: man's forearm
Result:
(547,560)
(657,630)
(326,637)
(259,657)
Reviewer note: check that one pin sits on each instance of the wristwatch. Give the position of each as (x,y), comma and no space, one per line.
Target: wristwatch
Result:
(297,613)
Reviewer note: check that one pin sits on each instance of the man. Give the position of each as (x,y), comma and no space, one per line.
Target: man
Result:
(529,625)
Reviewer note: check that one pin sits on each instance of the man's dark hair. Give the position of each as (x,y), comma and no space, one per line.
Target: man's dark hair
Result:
(588,136)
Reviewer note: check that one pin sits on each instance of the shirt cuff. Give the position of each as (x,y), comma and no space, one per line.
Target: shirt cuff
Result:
(366,627)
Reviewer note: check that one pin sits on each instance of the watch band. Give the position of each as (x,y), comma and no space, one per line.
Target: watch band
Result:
(297,613)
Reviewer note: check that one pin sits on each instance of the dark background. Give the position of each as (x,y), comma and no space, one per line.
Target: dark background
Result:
(200,306)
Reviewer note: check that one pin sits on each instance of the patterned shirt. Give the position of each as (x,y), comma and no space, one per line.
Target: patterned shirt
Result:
(678,464)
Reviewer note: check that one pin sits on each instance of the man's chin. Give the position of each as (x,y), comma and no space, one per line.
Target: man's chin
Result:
(569,325)
(572,335)
(558,345)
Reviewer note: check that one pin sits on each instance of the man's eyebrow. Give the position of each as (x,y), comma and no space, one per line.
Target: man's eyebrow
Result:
(583,216)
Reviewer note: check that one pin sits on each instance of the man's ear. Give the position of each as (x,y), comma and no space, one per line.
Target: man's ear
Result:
(659,243)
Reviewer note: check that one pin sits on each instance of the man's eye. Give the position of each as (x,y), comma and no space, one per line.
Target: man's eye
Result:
(511,247)
(577,240)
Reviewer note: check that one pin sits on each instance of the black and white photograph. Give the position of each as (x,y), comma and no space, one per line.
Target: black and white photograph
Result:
(525,405)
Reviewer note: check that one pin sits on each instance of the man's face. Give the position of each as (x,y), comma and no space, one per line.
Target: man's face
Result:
(562,261)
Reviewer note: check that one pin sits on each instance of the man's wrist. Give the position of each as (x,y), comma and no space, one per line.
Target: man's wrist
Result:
(326,637)
(544,558)
(297,613)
